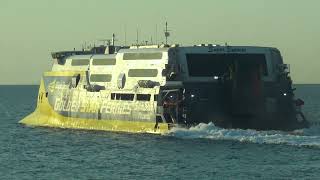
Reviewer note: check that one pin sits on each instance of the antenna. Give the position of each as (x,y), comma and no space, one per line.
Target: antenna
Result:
(166,33)
(125,35)
(137,36)
(156,34)
(113,39)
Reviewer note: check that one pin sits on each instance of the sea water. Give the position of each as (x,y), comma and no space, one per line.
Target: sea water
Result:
(201,152)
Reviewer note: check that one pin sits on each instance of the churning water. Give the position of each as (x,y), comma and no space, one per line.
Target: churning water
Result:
(201,152)
(304,137)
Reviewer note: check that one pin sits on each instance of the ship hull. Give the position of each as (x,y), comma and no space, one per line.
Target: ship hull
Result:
(59,114)
(45,116)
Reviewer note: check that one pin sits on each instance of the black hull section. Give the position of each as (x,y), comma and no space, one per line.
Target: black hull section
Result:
(230,107)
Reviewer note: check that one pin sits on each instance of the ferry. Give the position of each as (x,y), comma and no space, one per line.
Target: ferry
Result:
(153,88)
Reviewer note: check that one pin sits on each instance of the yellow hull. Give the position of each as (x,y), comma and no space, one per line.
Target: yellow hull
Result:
(45,116)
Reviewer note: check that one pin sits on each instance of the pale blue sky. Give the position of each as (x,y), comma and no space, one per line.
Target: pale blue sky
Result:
(30,30)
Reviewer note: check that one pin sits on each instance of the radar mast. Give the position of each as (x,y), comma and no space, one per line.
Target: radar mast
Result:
(166,33)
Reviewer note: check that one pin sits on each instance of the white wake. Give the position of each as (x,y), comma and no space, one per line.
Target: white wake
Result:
(302,137)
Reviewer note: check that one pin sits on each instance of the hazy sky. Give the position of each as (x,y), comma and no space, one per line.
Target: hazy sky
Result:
(30,30)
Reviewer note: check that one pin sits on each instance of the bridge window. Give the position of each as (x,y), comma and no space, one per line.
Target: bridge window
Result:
(100,77)
(102,62)
(206,65)
(123,97)
(126,97)
(142,56)
(113,96)
(155,97)
(143,73)
(143,97)
(80,62)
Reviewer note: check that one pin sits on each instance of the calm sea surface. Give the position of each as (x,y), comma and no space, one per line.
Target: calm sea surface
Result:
(203,152)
